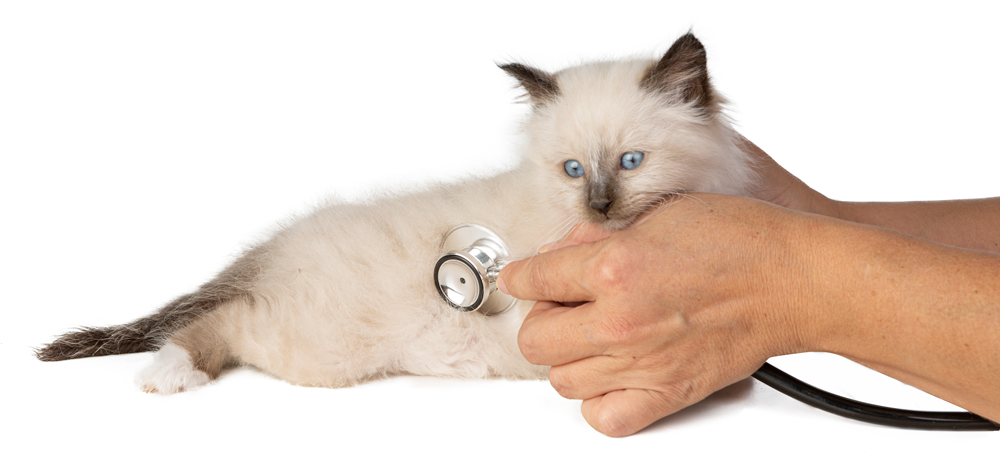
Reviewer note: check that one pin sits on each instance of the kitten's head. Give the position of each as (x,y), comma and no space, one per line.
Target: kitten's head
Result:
(614,138)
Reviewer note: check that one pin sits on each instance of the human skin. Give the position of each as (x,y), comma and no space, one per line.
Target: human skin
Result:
(643,322)
(972,224)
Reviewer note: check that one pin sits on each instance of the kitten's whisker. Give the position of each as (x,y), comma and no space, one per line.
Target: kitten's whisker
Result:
(693,197)
(553,227)
(554,230)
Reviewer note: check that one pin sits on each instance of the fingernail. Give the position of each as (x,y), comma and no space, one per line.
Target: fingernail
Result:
(546,247)
(502,286)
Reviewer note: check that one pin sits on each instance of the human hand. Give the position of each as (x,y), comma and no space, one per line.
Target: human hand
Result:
(970,224)
(647,321)
(777,185)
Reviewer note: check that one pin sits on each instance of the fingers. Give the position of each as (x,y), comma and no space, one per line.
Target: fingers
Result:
(582,233)
(560,274)
(553,334)
(594,376)
(624,412)
(557,275)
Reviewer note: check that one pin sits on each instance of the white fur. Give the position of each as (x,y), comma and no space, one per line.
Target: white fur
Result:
(171,371)
(604,113)
(345,294)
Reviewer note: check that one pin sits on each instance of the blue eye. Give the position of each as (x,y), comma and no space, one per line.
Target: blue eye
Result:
(573,168)
(632,159)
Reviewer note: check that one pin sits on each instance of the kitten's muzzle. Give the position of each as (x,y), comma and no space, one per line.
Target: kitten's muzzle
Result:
(601,196)
(601,206)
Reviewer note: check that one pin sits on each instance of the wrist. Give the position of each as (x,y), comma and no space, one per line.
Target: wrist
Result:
(797,282)
(827,262)
(860,283)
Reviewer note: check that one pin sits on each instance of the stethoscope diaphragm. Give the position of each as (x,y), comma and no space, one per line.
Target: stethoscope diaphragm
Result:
(466,273)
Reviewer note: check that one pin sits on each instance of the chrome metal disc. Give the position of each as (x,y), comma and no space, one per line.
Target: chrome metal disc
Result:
(462,276)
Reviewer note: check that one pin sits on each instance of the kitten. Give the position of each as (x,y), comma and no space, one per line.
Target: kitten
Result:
(346,293)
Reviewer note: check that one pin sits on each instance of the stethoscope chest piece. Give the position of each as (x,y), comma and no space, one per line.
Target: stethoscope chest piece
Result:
(465,276)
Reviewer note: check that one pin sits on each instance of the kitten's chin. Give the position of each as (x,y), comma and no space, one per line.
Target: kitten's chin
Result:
(616,221)
(617,224)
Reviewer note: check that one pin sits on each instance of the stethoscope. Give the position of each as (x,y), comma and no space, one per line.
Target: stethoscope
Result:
(466,274)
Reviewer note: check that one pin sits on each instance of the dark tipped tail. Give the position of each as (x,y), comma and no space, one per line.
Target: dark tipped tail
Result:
(146,334)
(150,333)
(87,342)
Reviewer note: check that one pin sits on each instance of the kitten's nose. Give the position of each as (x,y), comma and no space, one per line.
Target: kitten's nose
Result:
(601,206)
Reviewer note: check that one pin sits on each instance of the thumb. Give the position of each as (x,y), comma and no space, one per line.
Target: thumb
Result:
(624,412)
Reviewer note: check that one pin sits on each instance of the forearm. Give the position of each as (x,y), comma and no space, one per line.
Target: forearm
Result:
(970,224)
(923,313)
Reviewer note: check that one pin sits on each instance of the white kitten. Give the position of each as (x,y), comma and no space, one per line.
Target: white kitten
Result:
(346,293)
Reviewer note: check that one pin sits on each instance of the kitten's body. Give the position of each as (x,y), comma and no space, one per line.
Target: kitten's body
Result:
(346,293)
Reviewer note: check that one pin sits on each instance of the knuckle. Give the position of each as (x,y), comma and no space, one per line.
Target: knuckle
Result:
(526,345)
(614,328)
(681,393)
(539,279)
(562,385)
(610,269)
(610,422)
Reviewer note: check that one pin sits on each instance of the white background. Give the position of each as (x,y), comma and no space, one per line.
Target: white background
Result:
(141,146)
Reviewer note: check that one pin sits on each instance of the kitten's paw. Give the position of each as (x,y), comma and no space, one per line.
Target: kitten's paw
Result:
(171,371)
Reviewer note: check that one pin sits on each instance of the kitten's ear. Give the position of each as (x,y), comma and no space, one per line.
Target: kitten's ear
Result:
(683,70)
(541,86)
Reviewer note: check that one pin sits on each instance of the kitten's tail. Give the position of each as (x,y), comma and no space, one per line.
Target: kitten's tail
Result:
(146,334)
(94,341)
(150,333)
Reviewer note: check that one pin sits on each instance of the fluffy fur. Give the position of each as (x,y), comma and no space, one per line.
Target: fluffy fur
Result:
(172,371)
(345,294)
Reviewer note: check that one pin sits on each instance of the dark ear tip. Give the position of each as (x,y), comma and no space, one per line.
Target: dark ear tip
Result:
(540,85)
(689,39)
(514,67)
